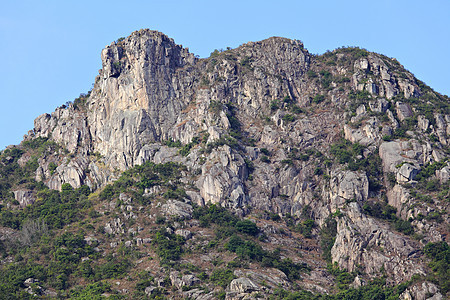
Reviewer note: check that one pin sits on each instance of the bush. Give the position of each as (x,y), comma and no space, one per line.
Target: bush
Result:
(265,159)
(288,118)
(327,237)
(244,249)
(326,79)
(439,252)
(247,227)
(311,74)
(222,277)
(169,247)
(265,151)
(318,98)
(306,227)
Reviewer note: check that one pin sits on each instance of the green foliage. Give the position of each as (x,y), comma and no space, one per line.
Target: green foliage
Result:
(54,208)
(409,124)
(169,247)
(235,124)
(247,227)
(265,159)
(306,227)
(288,118)
(430,169)
(177,194)
(114,268)
(215,53)
(384,211)
(439,253)
(375,289)
(144,176)
(343,278)
(274,105)
(173,144)
(52,167)
(214,214)
(296,110)
(352,154)
(224,140)
(311,74)
(287,266)
(380,210)
(229,228)
(222,277)
(14,275)
(244,249)
(80,102)
(250,250)
(326,78)
(92,291)
(12,174)
(318,98)
(327,237)
(265,151)
(245,62)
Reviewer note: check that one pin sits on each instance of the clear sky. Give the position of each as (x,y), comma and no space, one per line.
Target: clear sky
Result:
(50,50)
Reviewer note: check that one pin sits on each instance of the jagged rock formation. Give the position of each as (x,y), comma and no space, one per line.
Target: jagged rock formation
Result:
(266,113)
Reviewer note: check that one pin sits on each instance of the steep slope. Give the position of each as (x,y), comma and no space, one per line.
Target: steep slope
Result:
(347,148)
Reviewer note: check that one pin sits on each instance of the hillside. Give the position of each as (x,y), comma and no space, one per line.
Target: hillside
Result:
(260,172)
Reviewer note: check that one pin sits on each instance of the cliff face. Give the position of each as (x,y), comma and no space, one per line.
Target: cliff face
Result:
(256,125)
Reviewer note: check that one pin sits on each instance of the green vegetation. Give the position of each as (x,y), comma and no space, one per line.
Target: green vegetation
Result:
(325,79)
(231,230)
(311,74)
(384,211)
(245,62)
(375,289)
(80,102)
(327,237)
(306,227)
(93,291)
(168,246)
(222,277)
(352,154)
(145,176)
(54,208)
(13,175)
(288,118)
(439,253)
(318,99)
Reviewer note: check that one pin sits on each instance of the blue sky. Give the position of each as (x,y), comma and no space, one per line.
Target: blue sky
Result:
(50,50)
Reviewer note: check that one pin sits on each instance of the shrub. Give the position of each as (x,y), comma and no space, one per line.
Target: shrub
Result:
(265,159)
(311,74)
(52,167)
(247,227)
(168,246)
(306,227)
(318,98)
(327,237)
(288,118)
(439,252)
(222,277)
(265,151)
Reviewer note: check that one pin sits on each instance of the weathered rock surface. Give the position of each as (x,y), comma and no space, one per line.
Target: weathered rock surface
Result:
(255,125)
(363,241)
(24,197)
(177,208)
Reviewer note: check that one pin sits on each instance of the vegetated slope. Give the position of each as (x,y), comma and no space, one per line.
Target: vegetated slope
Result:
(262,171)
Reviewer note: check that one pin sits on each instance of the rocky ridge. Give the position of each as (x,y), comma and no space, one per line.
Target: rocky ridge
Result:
(254,126)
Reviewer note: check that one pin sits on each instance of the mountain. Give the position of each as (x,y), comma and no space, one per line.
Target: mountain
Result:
(260,172)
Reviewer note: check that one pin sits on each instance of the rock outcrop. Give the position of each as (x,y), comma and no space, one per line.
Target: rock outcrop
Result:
(252,127)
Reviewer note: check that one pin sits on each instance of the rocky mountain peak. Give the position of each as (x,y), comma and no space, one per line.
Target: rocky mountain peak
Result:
(346,147)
